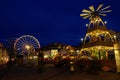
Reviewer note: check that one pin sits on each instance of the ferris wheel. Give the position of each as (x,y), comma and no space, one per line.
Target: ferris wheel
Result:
(26,43)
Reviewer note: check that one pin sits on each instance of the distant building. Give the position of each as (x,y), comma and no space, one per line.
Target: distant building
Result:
(4,58)
(55,49)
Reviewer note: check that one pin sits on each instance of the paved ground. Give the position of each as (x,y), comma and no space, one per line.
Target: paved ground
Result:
(52,73)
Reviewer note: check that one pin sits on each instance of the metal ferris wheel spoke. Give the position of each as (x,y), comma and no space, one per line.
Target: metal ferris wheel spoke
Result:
(32,39)
(22,40)
(29,38)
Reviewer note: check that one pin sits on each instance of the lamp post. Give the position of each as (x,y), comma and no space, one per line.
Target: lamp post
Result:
(40,62)
(27,47)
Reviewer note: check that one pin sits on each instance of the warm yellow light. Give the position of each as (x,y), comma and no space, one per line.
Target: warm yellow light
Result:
(35,57)
(27,47)
(30,57)
(2,58)
(71,51)
(45,56)
(99,47)
(114,36)
(71,62)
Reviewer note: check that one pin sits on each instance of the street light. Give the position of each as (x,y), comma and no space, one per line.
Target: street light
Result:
(115,38)
(105,22)
(27,47)
(81,39)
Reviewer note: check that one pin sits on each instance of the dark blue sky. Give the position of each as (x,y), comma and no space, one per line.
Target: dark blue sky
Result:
(51,20)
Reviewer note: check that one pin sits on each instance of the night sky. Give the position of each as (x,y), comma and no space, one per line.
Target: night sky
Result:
(51,20)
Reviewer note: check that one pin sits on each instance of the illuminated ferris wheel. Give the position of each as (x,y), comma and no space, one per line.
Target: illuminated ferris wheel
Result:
(26,43)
